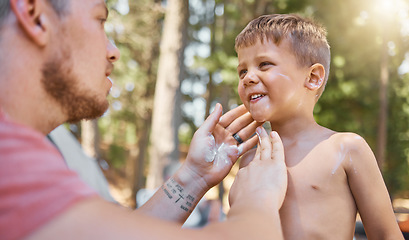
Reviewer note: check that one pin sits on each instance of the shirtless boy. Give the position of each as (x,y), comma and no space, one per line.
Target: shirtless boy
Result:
(283,68)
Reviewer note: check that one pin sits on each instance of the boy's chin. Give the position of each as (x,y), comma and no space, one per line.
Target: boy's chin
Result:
(258,117)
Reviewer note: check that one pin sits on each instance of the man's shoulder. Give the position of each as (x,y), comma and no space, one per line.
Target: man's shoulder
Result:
(35,183)
(18,142)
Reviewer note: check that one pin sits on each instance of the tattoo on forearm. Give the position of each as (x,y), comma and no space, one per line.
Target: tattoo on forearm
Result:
(174,190)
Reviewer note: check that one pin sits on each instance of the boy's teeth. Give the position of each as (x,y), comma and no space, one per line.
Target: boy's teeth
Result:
(255,96)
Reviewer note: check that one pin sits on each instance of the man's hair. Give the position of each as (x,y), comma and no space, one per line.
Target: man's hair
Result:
(60,7)
(308,40)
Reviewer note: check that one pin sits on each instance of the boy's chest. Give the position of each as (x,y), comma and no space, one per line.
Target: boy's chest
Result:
(317,191)
(317,170)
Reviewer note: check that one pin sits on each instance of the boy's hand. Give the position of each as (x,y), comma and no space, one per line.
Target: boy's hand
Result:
(263,180)
(214,150)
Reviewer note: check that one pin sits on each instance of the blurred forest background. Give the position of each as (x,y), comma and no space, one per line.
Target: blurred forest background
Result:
(178,61)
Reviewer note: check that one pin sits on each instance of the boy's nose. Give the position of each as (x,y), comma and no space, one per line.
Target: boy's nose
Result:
(251,78)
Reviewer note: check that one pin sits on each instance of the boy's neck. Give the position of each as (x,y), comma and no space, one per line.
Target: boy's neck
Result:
(296,128)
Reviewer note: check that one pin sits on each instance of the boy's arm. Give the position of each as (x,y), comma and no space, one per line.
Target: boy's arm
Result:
(370,193)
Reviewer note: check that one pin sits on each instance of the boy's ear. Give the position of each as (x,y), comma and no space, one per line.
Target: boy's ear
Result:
(316,77)
(31,17)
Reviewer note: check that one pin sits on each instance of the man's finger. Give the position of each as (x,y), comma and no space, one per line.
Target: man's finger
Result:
(247,131)
(278,148)
(238,123)
(231,115)
(258,152)
(248,144)
(212,120)
(265,144)
(247,158)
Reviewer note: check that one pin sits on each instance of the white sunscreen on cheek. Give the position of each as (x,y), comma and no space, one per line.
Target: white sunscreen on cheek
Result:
(284,76)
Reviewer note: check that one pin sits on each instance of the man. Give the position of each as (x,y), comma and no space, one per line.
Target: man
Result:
(55,62)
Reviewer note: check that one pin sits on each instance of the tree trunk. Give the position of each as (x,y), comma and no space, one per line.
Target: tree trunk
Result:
(383,104)
(166,111)
(210,88)
(90,137)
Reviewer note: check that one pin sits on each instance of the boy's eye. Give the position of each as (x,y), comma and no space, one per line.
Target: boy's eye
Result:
(265,64)
(242,73)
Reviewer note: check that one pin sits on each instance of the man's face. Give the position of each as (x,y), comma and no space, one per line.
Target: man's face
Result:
(77,70)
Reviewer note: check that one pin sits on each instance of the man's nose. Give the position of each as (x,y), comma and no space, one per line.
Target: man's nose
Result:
(113,53)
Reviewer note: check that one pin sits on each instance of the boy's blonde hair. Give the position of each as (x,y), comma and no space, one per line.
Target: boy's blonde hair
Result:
(308,40)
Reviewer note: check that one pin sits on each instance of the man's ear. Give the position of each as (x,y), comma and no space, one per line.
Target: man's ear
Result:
(316,77)
(30,15)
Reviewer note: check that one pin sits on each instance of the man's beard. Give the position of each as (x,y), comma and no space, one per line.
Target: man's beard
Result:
(60,83)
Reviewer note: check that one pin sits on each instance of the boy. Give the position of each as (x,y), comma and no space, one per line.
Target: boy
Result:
(283,67)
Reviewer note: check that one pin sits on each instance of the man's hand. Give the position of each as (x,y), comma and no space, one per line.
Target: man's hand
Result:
(212,153)
(264,180)
(213,150)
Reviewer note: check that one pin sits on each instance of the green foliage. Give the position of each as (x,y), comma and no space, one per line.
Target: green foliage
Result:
(117,155)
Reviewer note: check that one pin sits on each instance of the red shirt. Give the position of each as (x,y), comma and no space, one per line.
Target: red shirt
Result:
(35,183)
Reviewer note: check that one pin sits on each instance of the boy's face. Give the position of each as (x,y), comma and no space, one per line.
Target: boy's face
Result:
(271,82)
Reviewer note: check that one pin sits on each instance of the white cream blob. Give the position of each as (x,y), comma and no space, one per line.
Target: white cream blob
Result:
(220,154)
(212,150)
(223,153)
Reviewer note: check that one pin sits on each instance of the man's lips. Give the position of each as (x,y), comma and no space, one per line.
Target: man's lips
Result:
(108,73)
(110,80)
(109,69)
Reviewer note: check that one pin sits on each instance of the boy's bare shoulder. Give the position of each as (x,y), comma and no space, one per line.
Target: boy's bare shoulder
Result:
(353,144)
(349,140)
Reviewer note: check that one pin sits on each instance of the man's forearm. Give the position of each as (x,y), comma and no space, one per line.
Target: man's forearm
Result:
(175,199)
(247,222)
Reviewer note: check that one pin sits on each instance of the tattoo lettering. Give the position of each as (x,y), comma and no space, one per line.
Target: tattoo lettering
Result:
(167,193)
(180,197)
(173,190)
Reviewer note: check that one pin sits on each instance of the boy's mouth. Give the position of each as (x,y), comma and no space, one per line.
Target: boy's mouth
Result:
(256,96)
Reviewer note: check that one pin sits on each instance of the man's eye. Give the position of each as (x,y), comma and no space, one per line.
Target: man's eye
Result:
(103,20)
